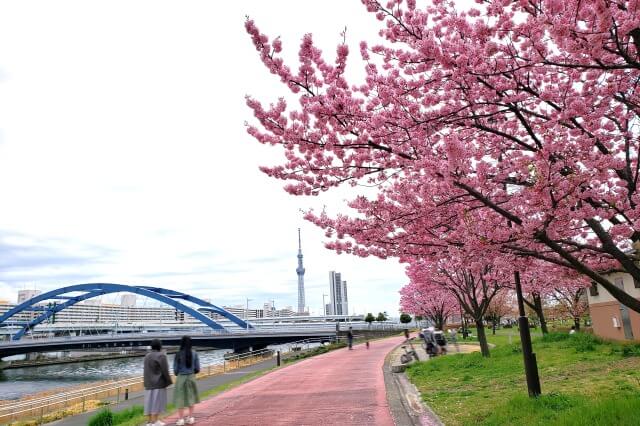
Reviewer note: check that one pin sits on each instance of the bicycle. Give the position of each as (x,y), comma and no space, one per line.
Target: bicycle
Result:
(408,355)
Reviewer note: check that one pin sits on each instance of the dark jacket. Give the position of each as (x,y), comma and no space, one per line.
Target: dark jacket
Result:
(156,370)
(180,364)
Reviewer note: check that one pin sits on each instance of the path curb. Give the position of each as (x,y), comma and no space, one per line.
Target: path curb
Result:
(405,402)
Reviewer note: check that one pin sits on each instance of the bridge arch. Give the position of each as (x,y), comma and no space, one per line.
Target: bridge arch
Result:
(166,296)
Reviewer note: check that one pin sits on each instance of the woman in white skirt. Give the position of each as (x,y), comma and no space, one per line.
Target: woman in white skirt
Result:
(156,380)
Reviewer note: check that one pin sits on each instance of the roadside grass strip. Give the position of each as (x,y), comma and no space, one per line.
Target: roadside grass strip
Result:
(585,381)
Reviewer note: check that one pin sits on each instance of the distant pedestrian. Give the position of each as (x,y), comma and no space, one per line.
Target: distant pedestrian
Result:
(350,338)
(406,334)
(156,379)
(186,365)
(453,337)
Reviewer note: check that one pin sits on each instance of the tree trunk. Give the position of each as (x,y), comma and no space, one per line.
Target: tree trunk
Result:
(576,322)
(537,301)
(482,339)
(439,322)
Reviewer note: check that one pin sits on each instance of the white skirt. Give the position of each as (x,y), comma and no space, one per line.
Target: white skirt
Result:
(155,401)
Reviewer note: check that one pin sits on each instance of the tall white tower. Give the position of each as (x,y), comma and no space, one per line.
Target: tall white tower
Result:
(300,272)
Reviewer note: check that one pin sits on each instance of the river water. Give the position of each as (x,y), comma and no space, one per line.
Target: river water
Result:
(19,382)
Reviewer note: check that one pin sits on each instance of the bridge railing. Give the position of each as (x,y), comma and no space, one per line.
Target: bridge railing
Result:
(49,408)
(260,329)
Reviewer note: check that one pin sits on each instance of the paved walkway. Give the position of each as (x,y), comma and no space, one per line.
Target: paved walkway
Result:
(341,387)
(137,398)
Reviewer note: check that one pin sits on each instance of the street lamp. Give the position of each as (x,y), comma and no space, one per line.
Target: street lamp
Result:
(246,314)
(324,307)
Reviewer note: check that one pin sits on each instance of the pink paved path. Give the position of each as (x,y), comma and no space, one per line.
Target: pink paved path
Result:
(337,388)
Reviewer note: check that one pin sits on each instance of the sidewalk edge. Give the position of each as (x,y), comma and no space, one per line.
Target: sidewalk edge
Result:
(405,402)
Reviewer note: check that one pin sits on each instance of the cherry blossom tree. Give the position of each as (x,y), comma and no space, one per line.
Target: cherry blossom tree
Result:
(540,281)
(431,302)
(573,302)
(511,124)
(474,283)
(501,305)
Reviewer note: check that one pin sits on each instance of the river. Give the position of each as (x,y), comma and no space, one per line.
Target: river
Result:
(19,382)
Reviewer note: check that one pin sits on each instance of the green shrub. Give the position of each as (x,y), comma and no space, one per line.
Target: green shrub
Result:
(128,414)
(584,342)
(630,350)
(104,417)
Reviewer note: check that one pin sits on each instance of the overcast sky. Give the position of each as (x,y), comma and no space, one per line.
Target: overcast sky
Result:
(124,157)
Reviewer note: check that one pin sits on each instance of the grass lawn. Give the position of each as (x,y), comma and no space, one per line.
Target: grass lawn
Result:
(584,382)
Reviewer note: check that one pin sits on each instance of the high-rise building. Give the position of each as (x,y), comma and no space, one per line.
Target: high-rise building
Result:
(300,272)
(338,291)
(269,309)
(24,295)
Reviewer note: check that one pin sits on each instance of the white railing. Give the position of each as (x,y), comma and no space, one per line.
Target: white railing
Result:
(262,329)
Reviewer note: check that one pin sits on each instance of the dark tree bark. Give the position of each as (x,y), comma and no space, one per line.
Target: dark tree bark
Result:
(482,339)
(536,305)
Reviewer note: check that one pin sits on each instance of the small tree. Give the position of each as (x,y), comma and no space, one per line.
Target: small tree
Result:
(405,318)
(381,317)
(369,318)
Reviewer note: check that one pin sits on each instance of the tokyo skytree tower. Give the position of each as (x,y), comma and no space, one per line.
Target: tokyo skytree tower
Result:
(300,272)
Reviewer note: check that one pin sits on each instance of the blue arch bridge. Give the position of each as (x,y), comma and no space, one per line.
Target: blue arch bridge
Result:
(241,336)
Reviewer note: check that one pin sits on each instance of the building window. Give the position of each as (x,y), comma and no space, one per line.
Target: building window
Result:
(593,290)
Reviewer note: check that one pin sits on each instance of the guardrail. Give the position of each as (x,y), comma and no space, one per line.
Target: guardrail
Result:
(81,400)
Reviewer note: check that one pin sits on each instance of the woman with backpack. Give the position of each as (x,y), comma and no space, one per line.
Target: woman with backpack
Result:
(185,395)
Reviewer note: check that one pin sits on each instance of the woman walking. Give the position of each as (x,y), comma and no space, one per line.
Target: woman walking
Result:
(185,366)
(156,380)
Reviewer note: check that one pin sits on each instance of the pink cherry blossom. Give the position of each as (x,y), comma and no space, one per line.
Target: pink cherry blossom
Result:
(508,131)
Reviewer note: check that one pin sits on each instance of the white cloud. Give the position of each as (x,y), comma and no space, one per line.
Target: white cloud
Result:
(122,133)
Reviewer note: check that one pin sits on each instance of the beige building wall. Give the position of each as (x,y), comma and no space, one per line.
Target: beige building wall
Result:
(605,310)
(607,322)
